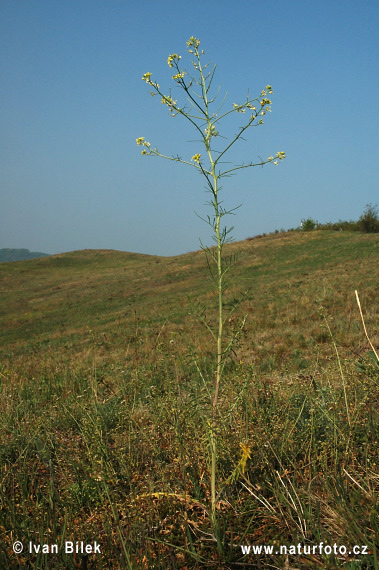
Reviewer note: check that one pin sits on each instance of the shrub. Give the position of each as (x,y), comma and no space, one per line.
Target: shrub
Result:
(341,225)
(309,224)
(368,223)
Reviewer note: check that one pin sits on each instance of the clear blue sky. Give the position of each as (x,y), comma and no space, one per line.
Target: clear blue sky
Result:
(73,103)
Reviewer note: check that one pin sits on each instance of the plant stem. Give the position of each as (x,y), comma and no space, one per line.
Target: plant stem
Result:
(219,344)
(218,215)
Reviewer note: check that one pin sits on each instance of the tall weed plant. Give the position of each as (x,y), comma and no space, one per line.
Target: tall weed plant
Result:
(207,115)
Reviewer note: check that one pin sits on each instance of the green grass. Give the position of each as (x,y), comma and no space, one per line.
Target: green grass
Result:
(102,411)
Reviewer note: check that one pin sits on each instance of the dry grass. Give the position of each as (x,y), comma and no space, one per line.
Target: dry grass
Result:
(103,413)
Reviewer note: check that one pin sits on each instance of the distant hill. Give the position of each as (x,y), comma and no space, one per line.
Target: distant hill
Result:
(7,254)
(55,301)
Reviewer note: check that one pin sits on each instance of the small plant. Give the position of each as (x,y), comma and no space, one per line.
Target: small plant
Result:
(368,223)
(206,117)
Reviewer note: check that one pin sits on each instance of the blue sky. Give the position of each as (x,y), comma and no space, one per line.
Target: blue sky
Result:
(73,103)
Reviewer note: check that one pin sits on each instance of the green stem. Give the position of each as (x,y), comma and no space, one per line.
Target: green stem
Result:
(207,139)
(219,346)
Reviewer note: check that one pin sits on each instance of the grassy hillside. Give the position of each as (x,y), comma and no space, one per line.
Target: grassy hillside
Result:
(54,302)
(104,413)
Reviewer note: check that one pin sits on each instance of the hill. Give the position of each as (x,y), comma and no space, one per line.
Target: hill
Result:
(57,299)
(7,254)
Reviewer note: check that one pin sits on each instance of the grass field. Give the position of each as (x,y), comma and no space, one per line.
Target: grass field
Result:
(103,412)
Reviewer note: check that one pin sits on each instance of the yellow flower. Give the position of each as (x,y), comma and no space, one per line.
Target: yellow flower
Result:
(146,77)
(238,108)
(193,42)
(172,58)
(141,141)
(246,454)
(167,100)
(178,76)
(196,158)
(211,131)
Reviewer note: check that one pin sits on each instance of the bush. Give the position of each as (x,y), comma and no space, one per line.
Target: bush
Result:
(308,225)
(341,225)
(368,223)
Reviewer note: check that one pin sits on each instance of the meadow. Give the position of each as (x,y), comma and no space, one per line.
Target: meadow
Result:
(103,411)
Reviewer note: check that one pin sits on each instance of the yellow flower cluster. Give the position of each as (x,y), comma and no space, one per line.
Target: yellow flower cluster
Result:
(172,58)
(194,42)
(166,100)
(146,77)
(178,76)
(211,132)
(196,158)
(171,104)
(141,142)
(279,156)
(238,108)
